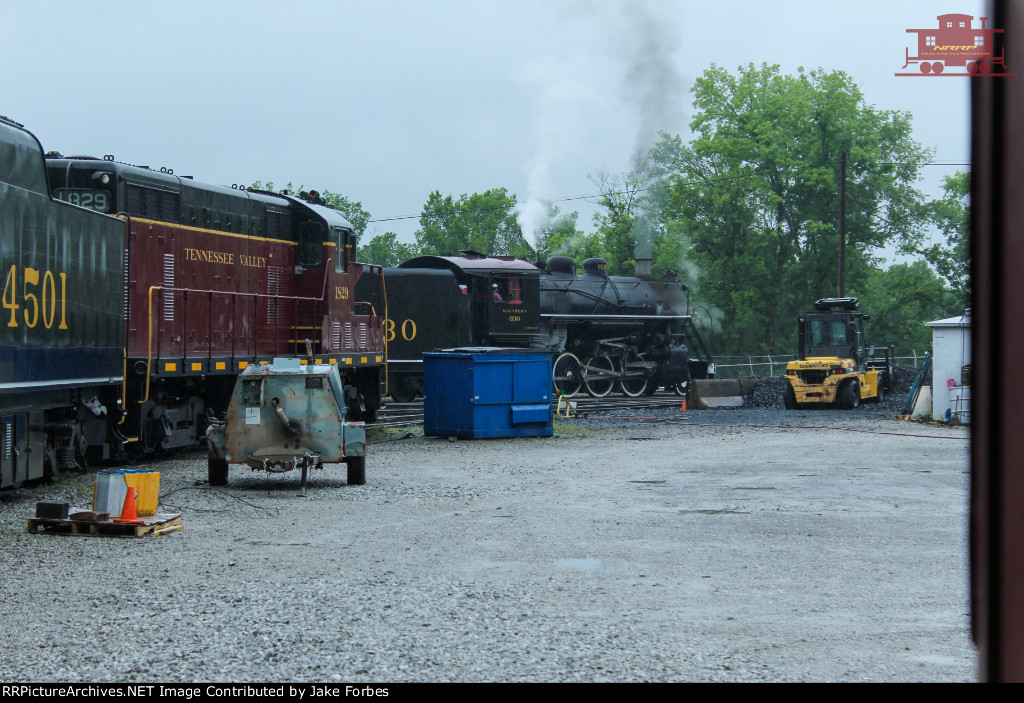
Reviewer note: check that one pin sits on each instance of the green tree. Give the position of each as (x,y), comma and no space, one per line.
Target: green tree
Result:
(951,214)
(485,222)
(351,209)
(900,300)
(559,235)
(754,197)
(386,250)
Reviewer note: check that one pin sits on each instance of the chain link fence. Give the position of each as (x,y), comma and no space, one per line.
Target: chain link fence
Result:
(751,366)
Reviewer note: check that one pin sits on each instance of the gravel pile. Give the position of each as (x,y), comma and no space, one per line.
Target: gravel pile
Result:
(768,393)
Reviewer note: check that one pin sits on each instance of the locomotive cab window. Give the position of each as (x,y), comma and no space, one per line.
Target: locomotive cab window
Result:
(311,244)
(507,290)
(345,242)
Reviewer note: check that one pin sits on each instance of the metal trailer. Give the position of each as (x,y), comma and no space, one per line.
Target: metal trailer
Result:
(287,415)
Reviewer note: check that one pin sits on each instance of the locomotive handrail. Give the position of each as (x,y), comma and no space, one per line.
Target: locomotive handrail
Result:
(123,400)
(232,294)
(587,294)
(614,317)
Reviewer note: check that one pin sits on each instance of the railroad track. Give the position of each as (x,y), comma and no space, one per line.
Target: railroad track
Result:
(411,414)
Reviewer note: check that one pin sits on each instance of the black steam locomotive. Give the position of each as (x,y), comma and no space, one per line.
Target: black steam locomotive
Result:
(629,334)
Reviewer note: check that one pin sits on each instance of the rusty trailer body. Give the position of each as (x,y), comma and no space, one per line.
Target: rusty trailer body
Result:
(284,416)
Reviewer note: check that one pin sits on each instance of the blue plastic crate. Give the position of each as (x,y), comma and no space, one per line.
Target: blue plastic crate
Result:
(480,392)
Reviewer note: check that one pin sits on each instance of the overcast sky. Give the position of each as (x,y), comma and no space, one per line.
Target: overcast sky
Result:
(387,101)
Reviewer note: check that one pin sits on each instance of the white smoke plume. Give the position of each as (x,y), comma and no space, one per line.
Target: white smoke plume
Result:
(641,37)
(563,95)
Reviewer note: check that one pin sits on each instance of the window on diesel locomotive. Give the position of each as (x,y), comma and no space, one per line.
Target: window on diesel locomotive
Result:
(344,241)
(311,243)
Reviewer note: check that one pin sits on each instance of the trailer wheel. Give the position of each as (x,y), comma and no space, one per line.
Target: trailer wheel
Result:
(217,472)
(356,470)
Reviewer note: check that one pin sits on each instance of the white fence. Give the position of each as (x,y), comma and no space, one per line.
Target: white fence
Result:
(747,365)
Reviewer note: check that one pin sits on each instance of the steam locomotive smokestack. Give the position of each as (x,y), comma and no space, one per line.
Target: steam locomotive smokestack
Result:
(643,252)
(643,268)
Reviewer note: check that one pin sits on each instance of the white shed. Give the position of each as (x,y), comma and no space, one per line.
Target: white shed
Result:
(951,352)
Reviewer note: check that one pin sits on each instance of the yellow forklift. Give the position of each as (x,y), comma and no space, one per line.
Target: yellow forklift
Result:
(834,366)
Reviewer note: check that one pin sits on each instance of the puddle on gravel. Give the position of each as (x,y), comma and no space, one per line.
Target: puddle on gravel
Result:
(592,564)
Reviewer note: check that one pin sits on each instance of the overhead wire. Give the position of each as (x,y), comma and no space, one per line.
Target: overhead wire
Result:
(594,196)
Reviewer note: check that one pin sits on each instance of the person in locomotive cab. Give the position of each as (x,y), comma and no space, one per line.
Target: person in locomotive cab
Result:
(495,295)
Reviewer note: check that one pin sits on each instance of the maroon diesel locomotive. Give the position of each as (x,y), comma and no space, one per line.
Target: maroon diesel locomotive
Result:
(216,279)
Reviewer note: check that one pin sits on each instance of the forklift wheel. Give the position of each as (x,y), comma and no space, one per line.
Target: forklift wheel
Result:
(789,397)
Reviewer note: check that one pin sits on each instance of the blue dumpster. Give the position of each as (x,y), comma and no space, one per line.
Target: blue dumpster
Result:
(478,392)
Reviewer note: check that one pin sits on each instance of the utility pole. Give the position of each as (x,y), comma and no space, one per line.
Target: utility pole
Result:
(842,224)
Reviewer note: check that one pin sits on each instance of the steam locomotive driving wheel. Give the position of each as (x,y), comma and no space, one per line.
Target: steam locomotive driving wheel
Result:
(599,375)
(634,381)
(567,375)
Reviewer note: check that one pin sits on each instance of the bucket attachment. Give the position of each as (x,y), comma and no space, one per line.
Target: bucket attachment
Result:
(721,392)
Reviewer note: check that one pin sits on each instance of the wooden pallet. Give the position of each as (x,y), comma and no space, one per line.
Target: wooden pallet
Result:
(159,524)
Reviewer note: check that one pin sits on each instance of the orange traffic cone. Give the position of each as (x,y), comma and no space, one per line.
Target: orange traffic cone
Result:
(683,406)
(128,511)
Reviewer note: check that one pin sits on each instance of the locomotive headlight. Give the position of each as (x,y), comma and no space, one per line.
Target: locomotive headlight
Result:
(102,176)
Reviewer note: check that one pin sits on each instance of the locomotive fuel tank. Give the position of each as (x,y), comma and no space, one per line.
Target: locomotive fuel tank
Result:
(287,415)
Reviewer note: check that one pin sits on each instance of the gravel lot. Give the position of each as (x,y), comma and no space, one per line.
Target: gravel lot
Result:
(729,545)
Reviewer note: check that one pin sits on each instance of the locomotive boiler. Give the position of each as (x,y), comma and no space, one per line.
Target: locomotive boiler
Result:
(627,334)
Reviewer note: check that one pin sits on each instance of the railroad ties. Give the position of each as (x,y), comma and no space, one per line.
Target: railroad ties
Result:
(411,414)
